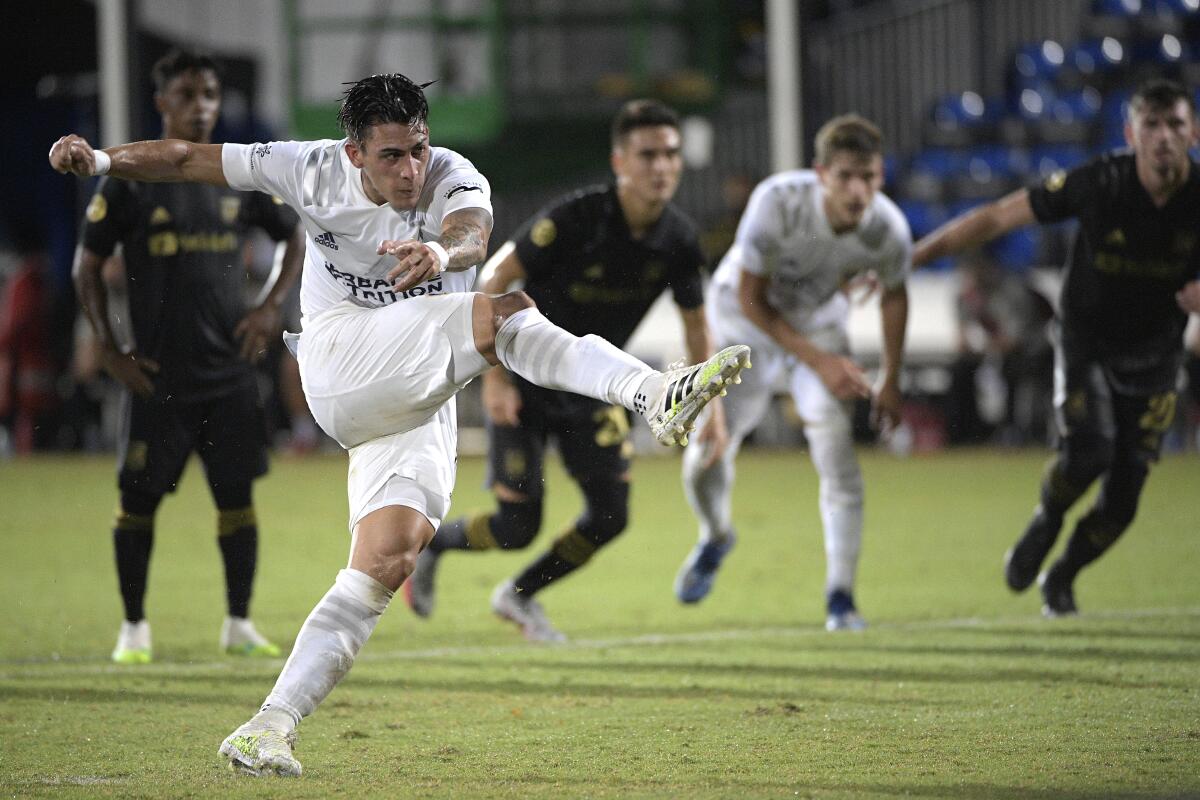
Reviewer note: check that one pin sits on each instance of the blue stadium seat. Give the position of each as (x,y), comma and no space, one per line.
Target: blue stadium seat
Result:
(1098,57)
(967,110)
(1117,8)
(1165,50)
(1179,8)
(1046,159)
(1083,105)
(939,162)
(1018,250)
(923,218)
(998,160)
(1033,102)
(1115,107)
(1039,61)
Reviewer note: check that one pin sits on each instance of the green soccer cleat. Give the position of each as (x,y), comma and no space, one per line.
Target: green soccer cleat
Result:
(133,644)
(261,750)
(240,638)
(673,400)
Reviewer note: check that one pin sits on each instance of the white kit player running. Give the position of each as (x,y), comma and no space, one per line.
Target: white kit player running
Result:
(805,235)
(391,333)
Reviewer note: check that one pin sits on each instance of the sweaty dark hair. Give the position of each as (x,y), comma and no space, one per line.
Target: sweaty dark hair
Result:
(1160,94)
(642,114)
(177,62)
(848,133)
(381,99)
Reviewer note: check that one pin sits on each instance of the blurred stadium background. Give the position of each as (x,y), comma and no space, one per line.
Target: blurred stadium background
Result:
(975,97)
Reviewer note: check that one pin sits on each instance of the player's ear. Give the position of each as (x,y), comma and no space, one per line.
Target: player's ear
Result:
(160,103)
(355,153)
(1129,133)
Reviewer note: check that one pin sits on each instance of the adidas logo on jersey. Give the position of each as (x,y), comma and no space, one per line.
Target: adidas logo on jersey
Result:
(326,240)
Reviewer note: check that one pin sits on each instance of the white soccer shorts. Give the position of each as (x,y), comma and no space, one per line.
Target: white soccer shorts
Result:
(381,382)
(375,372)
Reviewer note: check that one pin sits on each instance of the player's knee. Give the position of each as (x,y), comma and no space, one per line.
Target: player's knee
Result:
(505,305)
(516,523)
(139,504)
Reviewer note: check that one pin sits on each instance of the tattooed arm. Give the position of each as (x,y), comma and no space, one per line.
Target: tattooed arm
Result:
(464,239)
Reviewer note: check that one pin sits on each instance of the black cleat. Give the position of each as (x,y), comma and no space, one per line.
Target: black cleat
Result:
(1024,559)
(1058,594)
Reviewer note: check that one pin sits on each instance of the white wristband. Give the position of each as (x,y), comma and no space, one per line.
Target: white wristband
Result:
(442,256)
(103,163)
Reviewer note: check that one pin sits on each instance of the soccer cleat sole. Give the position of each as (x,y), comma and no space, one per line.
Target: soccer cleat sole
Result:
(248,650)
(132,657)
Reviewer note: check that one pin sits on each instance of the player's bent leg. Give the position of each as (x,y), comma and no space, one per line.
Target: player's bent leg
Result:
(1095,532)
(708,487)
(709,490)
(385,546)
(1085,456)
(530,345)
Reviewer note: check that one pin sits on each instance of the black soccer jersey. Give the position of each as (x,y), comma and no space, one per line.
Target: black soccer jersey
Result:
(182,246)
(587,272)
(1129,257)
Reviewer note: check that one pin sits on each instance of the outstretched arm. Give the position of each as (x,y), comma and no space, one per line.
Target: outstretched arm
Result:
(977,226)
(163,160)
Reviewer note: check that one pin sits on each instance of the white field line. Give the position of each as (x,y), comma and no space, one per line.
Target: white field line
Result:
(35,668)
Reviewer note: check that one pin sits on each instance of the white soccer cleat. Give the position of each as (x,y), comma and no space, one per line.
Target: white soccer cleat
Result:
(261,749)
(510,604)
(672,400)
(133,643)
(239,637)
(842,615)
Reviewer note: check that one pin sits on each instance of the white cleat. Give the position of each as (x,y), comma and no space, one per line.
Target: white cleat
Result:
(672,400)
(133,644)
(261,749)
(239,637)
(528,613)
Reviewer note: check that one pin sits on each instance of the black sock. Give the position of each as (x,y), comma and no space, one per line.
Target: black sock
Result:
(451,536)
(548,568)
(132,546)
(238,540)
(570,552)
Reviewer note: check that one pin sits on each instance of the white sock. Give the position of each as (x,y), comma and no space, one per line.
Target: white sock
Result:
(544,354)
(327,644)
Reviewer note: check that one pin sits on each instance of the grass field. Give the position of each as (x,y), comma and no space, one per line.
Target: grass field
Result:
(959,689)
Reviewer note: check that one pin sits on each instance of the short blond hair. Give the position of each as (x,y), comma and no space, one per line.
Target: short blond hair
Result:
(848,133)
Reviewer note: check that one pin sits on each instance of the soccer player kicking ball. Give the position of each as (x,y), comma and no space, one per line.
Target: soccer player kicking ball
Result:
(395,228)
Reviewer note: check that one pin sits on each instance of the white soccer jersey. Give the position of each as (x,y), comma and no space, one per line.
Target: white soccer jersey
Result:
(785,236)
(343,225)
